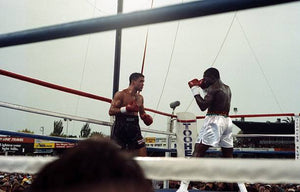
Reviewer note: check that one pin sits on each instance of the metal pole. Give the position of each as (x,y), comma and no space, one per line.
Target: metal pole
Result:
(117,53)
(169,140)
(157,15)
(42,130)
(297,137)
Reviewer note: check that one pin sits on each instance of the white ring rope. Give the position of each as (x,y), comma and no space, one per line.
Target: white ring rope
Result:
(162,168)
(72,117)
(223,170)
(105,123)
(94,121)
(194,169)
(23,164)
(264,135)
(52,114)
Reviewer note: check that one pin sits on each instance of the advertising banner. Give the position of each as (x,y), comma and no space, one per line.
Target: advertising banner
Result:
(186,134)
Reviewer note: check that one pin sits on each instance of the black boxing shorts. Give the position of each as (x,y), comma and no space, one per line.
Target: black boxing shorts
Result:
(127,133)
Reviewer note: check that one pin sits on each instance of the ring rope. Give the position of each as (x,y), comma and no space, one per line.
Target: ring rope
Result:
(138,18)
(52,114)
(94,121)
(259,65)
(52,86)
(227,170)
(257,115)
(92,96)
(145,47)
(263,135)
(263,115)
(212,169)
(224,170)
(72,117)
(65,89)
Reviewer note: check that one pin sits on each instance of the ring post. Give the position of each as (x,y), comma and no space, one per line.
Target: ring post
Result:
(169,137)
(297,137)
(173,105)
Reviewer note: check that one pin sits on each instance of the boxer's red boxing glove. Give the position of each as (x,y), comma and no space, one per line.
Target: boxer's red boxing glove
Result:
(131,107)
(147,119)
(194,85)
(194,82)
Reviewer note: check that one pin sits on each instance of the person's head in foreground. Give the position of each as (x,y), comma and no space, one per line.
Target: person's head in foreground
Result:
(95,164)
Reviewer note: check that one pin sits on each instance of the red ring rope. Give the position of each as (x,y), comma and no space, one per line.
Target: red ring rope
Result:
(89,95)
(65,89)
(53,86)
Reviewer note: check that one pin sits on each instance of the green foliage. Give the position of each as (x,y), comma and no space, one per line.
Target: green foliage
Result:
(26,131)
(97,134)
(58,128)
(85,130)
(288,120)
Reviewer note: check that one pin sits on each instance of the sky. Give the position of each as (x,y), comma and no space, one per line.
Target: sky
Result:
(256,52)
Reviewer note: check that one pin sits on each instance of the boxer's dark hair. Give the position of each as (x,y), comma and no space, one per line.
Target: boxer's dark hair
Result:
(212,72)
(95,164)
(135,76)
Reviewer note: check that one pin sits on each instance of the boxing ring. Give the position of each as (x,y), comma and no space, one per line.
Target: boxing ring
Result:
(160,168)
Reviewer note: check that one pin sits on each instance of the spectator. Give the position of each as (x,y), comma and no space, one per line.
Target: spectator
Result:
(261,188)
(251,188)
(5,187)
(210,186)
(95,164)
(267,188)
(17,187)
(298,188)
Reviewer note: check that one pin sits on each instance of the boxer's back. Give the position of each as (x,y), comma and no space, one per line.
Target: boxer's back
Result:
(222,97)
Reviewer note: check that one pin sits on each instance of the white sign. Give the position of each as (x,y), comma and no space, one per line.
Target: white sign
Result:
(186,134)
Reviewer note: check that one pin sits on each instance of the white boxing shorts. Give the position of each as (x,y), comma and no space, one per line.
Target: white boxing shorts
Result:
(216,131)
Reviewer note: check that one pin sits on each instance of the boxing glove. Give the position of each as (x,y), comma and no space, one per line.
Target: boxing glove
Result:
(147,119)
(194,86)
(131,107)
(196,82)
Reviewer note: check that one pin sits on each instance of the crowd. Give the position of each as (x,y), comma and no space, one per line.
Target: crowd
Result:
(15,182)
(221,186)
(18,182)
(264,142)
(273,188)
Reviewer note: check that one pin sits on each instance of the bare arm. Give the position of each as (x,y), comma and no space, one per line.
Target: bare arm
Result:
(144,116)
(205,102)
(116,104)
(141,102)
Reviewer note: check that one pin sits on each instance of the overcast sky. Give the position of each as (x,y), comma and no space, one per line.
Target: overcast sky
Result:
(258,58)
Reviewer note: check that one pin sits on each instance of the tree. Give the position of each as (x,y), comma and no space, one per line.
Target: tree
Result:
(58,128)
(288,120)
(85,130)
(97,134)
(26,131)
